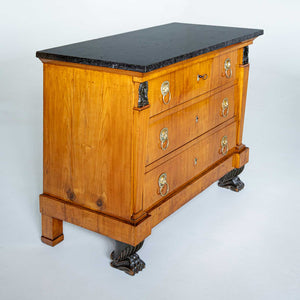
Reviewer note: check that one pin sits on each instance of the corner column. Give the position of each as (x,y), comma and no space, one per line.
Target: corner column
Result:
(141,114)
(243,71)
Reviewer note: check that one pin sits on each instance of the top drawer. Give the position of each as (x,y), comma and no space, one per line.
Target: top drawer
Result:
(179,86)
(176,87)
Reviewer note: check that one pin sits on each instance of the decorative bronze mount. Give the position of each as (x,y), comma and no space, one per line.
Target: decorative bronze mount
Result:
(143,94)
(246,55)
(232,181)
(126,259)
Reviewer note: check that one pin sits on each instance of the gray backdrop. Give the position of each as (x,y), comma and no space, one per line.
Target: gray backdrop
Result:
(221,245)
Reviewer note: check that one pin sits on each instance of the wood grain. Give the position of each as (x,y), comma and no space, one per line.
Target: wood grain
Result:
(183,86)
(58,95)
(189,123)
(219,70)
(103,156)
(172,203)
(183,167)
(52,231)
(134,233)
(115,228)
(140,135)
(88,137)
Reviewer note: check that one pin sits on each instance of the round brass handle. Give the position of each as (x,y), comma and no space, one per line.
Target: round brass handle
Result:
(165,90)
(227,67)
(225,107)
(162,182)
(224,145)
(164,140)
(204,77)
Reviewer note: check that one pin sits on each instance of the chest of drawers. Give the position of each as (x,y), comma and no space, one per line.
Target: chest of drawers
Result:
(137,124)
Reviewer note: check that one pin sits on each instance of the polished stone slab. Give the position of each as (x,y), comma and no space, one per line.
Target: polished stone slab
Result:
(151,48)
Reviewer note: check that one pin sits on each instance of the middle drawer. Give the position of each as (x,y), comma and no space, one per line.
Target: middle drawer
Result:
(179,128)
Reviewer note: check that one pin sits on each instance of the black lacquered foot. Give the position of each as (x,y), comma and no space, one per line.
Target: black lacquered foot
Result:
(126,259)
(232,181)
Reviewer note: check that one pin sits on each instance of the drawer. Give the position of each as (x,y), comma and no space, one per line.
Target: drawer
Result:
(224,69)
(179,86)
(177,129)
(175,172)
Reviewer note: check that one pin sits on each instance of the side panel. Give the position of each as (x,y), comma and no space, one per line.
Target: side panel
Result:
(88,138)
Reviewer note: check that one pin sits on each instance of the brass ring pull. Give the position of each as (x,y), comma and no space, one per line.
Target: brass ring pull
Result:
(224,145)
(165,90)
(164,140)
(162,182)
(167,102)
(225,107)
(227,67)
(228,73)
(204,77)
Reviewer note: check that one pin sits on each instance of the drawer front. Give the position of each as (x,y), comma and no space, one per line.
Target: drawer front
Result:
(179,86)
(170,175)
(177,129)
(224,69)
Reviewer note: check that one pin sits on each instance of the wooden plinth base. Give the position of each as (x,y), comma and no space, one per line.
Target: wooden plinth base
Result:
(124,231)
(54,242)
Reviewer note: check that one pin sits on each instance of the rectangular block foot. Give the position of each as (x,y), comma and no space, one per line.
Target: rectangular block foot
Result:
(54,242)
(52,230)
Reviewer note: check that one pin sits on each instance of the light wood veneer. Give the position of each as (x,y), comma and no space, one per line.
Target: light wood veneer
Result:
(102,151)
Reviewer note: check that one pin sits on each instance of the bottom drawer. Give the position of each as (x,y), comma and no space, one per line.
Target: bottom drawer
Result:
(181,168)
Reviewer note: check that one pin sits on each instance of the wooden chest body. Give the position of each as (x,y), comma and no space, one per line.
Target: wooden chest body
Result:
(119,156)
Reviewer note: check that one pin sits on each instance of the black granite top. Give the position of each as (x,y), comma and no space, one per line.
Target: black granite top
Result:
(151,48)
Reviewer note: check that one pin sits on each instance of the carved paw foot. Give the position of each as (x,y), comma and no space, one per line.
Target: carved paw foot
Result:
(126,259)
(232,181)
